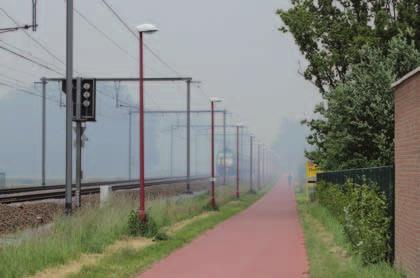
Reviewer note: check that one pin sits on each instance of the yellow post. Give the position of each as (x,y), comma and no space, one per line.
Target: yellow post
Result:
(311,170)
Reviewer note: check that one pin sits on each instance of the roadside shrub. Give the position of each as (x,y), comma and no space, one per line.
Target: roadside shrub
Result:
(333,198)
(362,209)
(367,222)
(140,228)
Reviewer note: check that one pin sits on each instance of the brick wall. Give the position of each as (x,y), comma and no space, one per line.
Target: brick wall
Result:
(407,174)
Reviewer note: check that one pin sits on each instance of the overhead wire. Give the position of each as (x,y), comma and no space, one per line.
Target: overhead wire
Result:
(124,23)
(17,70)
(37,42)
(50,53)
(41,45)
(45,48)
(26,91)
(43,64)
(11,78)
(29,59)
(29,54)
(115,43)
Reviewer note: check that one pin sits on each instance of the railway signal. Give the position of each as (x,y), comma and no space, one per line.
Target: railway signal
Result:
(88,100)
(84,99)
(83,110)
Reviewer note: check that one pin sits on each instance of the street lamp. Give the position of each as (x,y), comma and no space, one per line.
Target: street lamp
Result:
(251,151)
(259,165)
(142,29)
(213,100)
(238,126)
(263,165)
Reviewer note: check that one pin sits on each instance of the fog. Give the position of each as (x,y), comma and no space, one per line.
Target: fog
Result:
(232,47)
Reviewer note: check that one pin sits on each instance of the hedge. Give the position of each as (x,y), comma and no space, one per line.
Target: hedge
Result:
(362,209)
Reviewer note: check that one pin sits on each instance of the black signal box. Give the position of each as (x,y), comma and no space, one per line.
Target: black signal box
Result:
(86,110)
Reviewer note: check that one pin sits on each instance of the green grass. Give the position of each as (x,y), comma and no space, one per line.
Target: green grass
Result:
(88,230)
(128,262)
(328,250)
(91,229)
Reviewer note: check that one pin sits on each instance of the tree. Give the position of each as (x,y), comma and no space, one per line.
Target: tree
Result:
(330,33)
(356,123)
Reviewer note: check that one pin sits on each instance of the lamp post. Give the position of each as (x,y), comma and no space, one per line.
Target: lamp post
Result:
(224,148)
(259,165)
(142,29)
(213,100)
(263,165)
(251,151)
(238,126)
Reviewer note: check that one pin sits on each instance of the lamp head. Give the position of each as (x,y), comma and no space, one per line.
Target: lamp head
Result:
(146,28)
(215,99)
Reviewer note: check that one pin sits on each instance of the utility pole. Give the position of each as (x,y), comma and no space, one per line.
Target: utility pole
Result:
(213,178)
(196,154)
(238,148)
(44,130)
(172,152)
(242,157)
(251,189)
(130,128)
(263,164)
(142,208)
(259,166)
(79,174)
(34,25)
(69,105)
(188,136)
(224,147)
(213,100)
(78,144)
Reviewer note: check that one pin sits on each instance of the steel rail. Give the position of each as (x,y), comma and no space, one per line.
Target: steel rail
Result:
(59,186)
(87,188)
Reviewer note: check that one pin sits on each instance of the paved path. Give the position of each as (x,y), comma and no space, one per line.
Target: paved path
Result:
(263,241)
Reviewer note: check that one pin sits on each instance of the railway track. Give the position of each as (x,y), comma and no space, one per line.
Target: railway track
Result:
(35,193)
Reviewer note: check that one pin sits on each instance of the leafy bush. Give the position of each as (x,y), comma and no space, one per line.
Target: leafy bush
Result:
(136,227)
(367,222)
(333,198)
(362,209)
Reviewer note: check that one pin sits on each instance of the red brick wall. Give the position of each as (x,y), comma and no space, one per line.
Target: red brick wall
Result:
(407,176)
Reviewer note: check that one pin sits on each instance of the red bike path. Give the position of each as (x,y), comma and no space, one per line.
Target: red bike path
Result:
(263,241)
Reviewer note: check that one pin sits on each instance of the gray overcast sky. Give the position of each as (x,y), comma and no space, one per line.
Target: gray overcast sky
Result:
(232,46)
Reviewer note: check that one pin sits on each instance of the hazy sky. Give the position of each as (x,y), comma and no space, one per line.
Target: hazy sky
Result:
(233,47)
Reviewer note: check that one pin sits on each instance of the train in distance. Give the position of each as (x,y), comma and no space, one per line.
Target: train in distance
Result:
(230,162)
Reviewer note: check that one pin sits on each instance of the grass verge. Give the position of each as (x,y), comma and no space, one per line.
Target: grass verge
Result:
(328,250)
(91,230)
(128,261)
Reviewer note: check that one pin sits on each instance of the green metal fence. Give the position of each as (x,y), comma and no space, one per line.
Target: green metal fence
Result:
(383,177)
